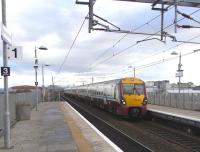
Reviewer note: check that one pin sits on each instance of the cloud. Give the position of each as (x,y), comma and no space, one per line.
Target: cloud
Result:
(55,24)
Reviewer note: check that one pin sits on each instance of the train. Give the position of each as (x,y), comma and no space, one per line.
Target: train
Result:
(125,97)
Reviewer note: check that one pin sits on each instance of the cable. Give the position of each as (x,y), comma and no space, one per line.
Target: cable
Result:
(165,60)
(123,71)
(157,53)
(117,42)
(154,63)
(72,45)
(147,23)
(188,17)
(120,52)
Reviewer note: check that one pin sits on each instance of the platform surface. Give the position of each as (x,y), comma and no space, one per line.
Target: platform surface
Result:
(55,127)
(187,114)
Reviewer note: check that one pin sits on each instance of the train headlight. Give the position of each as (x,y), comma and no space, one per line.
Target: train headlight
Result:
(123,102)
(145,101)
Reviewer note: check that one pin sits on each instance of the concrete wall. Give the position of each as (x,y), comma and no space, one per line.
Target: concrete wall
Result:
(189,101)
(29,97)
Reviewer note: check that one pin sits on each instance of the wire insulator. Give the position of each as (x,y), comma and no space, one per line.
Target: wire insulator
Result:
(185,26)
(185,15)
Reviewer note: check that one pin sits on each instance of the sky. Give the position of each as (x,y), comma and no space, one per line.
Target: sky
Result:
(98,55)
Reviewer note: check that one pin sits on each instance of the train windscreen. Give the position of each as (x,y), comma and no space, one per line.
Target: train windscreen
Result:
(136,89)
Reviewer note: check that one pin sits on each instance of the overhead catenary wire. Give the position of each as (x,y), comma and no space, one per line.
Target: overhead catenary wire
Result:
(132,45)
(158,62)
(112,46)
(166,50)
(153,63)
(67,55)
(165,60)
(152,55)
(188,17)
(118,41)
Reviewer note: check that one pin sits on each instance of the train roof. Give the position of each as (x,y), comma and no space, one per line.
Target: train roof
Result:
(123,80)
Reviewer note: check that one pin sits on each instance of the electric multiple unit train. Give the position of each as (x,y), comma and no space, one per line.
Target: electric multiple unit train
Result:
(125,97)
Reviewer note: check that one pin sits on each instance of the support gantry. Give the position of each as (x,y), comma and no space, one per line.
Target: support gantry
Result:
(98,23)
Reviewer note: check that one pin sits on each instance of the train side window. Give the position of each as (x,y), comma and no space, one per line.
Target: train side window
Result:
(116,92)
(115,89)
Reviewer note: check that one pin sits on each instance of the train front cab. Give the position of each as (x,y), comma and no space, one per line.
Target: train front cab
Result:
(133,98)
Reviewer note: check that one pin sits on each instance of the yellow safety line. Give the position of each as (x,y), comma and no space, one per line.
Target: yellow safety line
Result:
(80,140)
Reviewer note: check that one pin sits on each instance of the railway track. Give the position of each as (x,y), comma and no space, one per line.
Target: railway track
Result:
(121,139)
(157,137)
(189,142)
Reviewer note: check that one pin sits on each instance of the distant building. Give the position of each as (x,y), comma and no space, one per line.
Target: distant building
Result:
(157,86)
(188,85)
(196,88)
(22,88)
(165,86)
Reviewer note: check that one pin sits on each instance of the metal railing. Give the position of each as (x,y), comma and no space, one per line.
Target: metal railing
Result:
(188,101)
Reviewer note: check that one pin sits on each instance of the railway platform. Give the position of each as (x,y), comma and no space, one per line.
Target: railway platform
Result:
(56,127)
(187,117)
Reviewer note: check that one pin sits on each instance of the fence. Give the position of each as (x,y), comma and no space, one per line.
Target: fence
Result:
(188,101)
(29,97)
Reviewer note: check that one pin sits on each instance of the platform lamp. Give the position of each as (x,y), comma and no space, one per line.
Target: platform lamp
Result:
(36,69)
(179,73)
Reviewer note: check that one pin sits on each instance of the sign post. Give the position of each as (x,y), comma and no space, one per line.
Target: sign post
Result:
(5,34)
(5,71)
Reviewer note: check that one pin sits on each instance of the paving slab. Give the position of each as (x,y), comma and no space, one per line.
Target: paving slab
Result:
(47,131)
(57,127)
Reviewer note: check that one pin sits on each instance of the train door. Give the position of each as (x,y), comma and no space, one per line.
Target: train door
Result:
(116,93)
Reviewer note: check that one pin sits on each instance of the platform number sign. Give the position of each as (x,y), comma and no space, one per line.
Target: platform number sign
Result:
(15,52)
(5,71)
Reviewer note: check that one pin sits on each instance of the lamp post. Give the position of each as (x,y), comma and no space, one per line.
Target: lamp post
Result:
(36,69)
(133,68)
(179,73)
(53,89)
(43,87)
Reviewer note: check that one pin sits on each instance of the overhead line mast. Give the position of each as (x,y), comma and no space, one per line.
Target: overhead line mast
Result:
(95,20)
(90,18)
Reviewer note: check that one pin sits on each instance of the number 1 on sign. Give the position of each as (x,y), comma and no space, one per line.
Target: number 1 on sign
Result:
(15,51)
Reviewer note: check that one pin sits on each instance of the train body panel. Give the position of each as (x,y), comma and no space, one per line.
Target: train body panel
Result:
(126,97)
